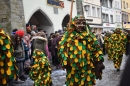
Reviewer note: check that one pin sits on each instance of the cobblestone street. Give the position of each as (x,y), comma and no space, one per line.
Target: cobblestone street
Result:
(110,76)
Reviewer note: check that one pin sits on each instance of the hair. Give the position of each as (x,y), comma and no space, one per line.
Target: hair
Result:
(42,34)
(33,33)
(16,43)
(56,32)
(53,36)
(12,37)
(14,30)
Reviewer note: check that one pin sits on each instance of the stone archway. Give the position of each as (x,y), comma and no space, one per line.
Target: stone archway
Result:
(42,21)
(65,21)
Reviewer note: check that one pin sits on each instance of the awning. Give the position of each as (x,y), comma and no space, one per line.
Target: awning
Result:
(95,26)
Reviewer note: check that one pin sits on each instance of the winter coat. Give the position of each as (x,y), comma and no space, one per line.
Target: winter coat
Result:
(20,57)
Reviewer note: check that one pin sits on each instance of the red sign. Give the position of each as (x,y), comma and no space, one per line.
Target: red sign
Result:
(107,24)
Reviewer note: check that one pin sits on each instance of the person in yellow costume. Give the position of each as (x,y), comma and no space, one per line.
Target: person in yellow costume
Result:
(80,54)
(118,46)
(108,44)
(8,69)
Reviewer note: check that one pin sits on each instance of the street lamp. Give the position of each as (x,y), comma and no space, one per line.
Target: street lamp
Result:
(86,8)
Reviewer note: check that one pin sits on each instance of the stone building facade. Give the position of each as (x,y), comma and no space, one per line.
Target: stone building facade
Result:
(11,15)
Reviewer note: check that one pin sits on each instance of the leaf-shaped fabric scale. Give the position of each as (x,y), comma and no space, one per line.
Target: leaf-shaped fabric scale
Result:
(8,55)
(75,52)
(7,46)
(65,62)
(3,47)
(2,71)
(3,81)
(1,42)
(8,71)
(88,78)
(80,47)
(9,63)
(1,63)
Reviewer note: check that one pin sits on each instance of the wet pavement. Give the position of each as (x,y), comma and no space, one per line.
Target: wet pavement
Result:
(110,76)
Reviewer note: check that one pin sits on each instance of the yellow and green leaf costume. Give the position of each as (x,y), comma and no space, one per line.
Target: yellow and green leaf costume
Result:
(118,42)
(78,53)
(108,44)
(8,69)
(41,70)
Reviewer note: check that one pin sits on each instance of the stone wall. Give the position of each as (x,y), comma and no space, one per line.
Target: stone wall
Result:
(12,15)
(79,7)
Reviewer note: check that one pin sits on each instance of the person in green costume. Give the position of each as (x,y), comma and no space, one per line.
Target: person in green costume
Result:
(8,69)
(80,54)
(118,46)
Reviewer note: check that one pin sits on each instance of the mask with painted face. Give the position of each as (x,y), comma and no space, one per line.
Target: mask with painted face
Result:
(80,24)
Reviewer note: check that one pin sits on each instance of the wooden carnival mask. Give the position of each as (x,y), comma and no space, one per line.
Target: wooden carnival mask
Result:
(80,24)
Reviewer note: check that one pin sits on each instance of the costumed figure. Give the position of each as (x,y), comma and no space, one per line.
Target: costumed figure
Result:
(80,54)
(41,70)
(108,44)
(118,47)
(128,42)
(8,69)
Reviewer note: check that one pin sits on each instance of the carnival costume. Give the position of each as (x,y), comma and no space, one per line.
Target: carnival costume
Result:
(8,69)
(118,41)
(41,70)
(108,44)
(80,54)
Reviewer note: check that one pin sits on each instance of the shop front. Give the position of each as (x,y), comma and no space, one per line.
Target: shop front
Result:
(108,27)
(97,29)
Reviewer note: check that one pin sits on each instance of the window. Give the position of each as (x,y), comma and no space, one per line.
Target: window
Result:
(55,10)
(126,16)
(98,12)
(110,2)
(105,17)
(104,3)
(123,17)
(118,18)
(111,16)
(124,4)
(118,5)
(115,4)
(87,8)
(94,12)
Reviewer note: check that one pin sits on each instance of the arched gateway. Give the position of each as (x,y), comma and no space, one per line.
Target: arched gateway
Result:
(65,21)
(42,21)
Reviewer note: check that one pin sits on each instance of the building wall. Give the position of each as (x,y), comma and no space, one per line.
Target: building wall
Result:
(11,15)
(111,10)
(126,10)
(31,6)
(92,12)
(118,13)
(93,15)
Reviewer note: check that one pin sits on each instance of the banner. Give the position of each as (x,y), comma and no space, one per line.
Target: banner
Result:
(56,3)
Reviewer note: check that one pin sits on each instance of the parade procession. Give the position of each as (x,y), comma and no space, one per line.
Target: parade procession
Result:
(79,54)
